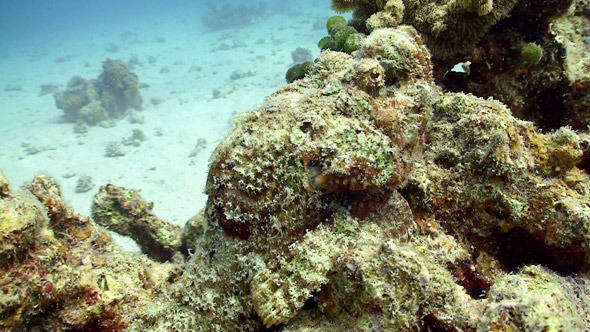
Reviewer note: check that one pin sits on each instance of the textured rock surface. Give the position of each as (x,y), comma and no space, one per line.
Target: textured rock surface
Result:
(125,212)
(59,272)
(360,197)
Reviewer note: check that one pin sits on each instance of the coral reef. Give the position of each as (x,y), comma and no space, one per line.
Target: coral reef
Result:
(118,88)
(449,28)
(362,196)
(528,54)
(480,178)
(110,96)
(113,149)
(342,37)
(552,90)
(79,94)
(298,71)
(137,137)
(59,272)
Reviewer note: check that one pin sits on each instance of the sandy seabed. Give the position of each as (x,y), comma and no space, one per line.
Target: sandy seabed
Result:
(179,64)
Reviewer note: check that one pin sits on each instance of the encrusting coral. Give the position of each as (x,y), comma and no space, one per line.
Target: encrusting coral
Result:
(360,197)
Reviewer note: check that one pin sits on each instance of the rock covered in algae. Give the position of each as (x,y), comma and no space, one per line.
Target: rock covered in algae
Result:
(324,144)
(486,174)
(536,299)
(344,137)
(110,96)
(125,212)
(118,88)
(59,272)
(80,101)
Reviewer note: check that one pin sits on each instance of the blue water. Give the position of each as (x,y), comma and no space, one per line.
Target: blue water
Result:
(20,19)
(23,18)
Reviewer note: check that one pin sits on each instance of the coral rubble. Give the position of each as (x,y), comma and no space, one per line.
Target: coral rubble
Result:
(363,196)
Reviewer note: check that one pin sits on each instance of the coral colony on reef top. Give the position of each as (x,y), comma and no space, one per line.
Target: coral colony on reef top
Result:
(108,97)
(378,191)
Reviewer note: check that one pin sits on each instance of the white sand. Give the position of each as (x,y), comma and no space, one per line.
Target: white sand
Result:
(160,168)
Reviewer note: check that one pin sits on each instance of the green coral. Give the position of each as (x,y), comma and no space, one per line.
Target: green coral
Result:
(342,37)
(353,42)
(530,54)
(334,23)
(298,71)
(327,43)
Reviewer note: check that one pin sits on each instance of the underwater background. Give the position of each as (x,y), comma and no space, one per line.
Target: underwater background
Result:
(198,64)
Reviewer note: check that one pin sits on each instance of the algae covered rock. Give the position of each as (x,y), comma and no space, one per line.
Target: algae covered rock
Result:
(343,140)
(19,225)
(79,93)
(118,88)
(539,70)
(310,157)
(481,175)
(109,97)
(125,212)
(536,299)
(58,271)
